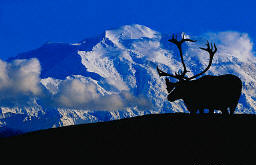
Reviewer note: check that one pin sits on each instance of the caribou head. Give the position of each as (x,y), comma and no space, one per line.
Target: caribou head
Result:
(177,89)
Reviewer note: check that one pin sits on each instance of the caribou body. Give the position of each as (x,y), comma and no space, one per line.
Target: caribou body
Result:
(207,92)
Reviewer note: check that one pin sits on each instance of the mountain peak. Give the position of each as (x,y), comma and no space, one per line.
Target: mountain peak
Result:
(134,31)
(119,68)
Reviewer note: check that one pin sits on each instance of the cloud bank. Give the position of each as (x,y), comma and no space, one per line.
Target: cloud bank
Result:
(20,85)
(232,43)
(78,94)
(19,81)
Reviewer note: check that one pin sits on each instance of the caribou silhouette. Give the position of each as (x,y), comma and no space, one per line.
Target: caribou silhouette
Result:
(207,92)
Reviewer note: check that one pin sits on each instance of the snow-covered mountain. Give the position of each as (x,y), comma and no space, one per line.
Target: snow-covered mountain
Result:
(114,76)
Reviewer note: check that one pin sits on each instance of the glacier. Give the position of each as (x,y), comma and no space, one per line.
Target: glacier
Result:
(113,76)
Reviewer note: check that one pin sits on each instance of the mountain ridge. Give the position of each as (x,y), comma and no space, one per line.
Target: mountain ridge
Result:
(119,66)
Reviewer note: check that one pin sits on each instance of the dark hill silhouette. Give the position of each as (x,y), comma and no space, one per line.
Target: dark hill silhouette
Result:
(159,139)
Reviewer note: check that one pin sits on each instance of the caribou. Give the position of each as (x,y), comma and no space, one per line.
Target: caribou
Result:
(207,92)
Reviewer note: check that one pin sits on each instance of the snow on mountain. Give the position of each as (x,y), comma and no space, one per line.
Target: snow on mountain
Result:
(114,76)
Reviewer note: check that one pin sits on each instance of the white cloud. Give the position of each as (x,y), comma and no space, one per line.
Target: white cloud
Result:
(234,44)
(20,76)
(3,75)
(19,80)
(74,93)
(20,85)
(114,84)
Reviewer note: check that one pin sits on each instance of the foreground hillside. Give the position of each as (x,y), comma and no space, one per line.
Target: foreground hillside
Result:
(157,138)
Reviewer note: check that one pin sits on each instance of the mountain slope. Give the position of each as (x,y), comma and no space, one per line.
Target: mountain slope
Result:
(114,76)
(161,138)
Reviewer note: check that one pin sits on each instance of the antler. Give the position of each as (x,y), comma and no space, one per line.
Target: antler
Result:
(178,75)
(211,52)
(178,44)
(162,73)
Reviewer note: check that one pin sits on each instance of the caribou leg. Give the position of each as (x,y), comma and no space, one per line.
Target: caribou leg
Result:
(192,111)
(201,111)
(232,110)
(211,111)
(224,111)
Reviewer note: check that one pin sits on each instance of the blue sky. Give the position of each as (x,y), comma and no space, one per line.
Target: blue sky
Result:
(27,24)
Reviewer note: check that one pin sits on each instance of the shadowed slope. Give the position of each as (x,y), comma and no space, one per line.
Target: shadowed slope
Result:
(146,139)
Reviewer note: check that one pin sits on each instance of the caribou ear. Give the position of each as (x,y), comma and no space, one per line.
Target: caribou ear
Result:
(169,85)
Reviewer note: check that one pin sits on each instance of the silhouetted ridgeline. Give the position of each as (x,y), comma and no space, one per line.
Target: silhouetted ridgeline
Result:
(161,139)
